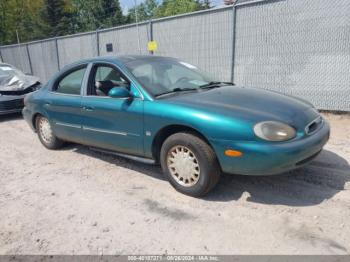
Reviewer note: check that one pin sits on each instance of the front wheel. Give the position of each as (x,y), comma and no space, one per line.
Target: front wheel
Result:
(45,134)
(190,164)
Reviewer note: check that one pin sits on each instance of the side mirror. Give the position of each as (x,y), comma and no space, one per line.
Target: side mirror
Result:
(119,92)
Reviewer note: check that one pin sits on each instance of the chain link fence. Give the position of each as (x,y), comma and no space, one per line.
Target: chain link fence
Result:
(297,47)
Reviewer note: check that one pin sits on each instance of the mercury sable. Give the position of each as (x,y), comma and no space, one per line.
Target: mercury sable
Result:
(163,110)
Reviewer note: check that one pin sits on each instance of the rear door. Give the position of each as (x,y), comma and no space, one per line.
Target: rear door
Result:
(112,123)
(63,105)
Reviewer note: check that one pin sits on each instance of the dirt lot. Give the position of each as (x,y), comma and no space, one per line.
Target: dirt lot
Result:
(76,201)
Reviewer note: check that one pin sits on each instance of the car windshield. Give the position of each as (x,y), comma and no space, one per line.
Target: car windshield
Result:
(160,75)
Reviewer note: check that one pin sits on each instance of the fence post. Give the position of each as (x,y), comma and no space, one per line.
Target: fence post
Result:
(57,54)
(1,58)
(29,60)
(233,42)
(151,33)
(98,42)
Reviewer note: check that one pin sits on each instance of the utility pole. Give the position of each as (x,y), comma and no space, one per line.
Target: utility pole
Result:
(137,26)
(18,42)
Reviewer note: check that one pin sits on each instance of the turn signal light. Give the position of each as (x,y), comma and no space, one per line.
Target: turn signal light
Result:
(233,153)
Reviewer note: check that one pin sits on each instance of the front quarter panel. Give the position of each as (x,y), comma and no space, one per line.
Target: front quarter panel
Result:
(160,114)
(33,105)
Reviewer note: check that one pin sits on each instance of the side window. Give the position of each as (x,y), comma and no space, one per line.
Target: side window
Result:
(105,79)
(71,83)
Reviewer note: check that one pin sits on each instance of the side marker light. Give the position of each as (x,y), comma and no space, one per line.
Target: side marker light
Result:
(233,153)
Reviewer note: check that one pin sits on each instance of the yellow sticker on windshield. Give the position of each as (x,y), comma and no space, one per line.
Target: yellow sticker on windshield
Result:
(152,46)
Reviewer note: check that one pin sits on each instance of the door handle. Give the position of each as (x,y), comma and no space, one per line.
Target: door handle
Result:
(47,104)
(88,108)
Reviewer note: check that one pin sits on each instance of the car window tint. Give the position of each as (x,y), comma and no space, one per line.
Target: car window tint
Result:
(71,83)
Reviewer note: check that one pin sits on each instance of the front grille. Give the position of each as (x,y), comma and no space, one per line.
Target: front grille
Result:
(314,126)
(11,104)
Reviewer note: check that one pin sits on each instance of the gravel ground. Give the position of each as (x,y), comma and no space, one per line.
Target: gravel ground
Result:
(76,201)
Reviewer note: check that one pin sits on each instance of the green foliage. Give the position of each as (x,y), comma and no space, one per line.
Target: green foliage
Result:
(39,19)
(96,14)
(57,19)
(20,15)
(151,9)
(175,7)
(7,28)
(145,11)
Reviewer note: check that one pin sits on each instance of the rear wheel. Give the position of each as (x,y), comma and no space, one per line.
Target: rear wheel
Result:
(190,164)
(45,134)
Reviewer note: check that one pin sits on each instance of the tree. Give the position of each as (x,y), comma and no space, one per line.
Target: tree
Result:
(145,11)
(21,16)
(30,23)
(175,7)
(85,14)
(57,15)
(39,19)
(94,14)
(6,22)
(206,4)
(110,12)
(151,9)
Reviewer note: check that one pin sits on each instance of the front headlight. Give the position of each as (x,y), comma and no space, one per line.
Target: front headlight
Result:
(274,131)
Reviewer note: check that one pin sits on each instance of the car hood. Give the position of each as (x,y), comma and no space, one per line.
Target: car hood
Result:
(17,82)
(250,104)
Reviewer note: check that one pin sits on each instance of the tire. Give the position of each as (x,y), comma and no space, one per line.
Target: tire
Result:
(45,134)
(189,164)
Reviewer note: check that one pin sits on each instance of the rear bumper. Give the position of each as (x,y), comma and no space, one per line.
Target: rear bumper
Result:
(266,158)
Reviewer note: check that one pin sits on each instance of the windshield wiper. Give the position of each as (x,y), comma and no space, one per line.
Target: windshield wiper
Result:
(175,90)
(215,84)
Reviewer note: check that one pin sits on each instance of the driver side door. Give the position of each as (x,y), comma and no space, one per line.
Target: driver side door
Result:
(112,123)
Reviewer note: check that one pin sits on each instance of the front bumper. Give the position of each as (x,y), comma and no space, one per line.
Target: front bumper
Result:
(28,117)
(11,104)
(270,158)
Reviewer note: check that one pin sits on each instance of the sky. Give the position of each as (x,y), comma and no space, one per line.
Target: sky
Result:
(127,4)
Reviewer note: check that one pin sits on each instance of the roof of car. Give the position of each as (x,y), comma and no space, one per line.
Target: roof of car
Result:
(122,58)
(128,58)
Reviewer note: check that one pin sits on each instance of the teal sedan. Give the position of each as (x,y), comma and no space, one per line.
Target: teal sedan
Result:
(163,110)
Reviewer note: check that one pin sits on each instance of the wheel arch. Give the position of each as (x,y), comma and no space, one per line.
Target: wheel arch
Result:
(169,130)
(34,119)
